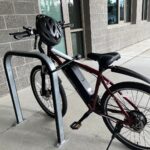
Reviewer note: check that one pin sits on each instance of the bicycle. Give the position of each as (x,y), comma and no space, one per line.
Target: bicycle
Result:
(124,107)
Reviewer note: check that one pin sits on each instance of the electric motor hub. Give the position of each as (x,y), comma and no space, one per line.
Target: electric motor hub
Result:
(138,120)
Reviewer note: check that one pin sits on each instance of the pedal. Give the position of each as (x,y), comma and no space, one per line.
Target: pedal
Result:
(75,125)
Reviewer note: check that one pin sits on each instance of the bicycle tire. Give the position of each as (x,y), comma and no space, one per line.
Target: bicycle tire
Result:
(39,98)
(106,106)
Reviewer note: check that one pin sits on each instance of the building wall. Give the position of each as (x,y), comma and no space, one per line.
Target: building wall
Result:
(100,37)
(13,15)
(106,38)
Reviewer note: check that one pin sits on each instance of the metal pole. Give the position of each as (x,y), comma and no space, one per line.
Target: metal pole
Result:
(55,88)
(12,88)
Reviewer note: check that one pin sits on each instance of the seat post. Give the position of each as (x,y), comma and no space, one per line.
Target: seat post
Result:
(97,86)
(101,68)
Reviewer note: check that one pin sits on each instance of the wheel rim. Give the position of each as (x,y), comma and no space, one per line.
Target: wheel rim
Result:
(140,99)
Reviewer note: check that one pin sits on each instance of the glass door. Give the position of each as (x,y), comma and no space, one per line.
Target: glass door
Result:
(75,16)
(53,8)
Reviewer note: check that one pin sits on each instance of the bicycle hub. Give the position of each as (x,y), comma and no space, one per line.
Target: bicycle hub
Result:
(138,121)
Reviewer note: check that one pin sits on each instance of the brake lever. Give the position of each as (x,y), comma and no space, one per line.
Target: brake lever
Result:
(30,30)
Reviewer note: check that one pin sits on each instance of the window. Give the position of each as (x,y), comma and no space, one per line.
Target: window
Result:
(53,8)
(119,11)
(75,15)
(144,9)
(128,10)
(112,12)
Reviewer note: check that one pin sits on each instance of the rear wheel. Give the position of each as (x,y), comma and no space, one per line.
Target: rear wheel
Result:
(46,101)
(137,135)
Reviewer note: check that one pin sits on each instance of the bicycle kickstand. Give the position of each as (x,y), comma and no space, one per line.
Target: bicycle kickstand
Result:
(77,124)
(117,130)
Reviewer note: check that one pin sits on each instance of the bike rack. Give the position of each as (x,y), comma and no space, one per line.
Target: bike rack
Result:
(55,88)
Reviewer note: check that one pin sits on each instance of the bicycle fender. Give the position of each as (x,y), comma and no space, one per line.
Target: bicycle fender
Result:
(128,72)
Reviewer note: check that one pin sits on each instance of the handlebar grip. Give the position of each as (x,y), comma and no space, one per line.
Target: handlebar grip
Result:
(20,35)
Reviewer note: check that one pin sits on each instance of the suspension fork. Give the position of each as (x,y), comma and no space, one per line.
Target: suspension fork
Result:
(43,73)
(44,70)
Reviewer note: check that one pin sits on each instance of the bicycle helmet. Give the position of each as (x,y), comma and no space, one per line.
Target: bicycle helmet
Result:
(49,30)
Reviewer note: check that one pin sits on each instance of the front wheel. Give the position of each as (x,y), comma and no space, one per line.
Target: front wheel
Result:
(137,135)
(46,101)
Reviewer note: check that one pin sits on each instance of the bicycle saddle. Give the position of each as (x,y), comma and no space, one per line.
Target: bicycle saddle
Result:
(105,59)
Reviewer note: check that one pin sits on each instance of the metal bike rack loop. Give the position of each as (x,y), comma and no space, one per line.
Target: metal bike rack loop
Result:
(55,88)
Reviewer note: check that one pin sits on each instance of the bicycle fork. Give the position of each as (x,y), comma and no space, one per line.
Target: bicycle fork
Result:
(43,88)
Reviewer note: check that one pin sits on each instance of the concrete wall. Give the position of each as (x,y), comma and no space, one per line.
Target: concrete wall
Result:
(13,15)
(106,38)
(102,37)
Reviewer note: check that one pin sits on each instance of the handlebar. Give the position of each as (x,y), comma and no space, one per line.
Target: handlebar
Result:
(27,33)
(30,31)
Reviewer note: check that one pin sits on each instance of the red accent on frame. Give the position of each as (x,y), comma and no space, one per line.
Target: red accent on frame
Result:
(100,78)
(116,100)
(130,103)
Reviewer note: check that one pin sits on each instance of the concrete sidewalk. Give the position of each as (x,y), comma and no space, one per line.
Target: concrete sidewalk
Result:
(38,131)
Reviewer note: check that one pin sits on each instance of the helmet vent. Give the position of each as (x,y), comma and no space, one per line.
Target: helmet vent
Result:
(54,29)
(46,34)
(47,26)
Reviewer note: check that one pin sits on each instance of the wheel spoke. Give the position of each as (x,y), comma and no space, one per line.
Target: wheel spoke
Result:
(145,139)
(146,106)
(147,112)
(136,96)
(147,135)
(121,98)
(126,132)
(139,138)
(140,99)
(132,96)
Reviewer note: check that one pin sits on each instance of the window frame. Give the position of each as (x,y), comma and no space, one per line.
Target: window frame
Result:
(79,29)
(143,10)
(120,22)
